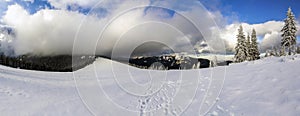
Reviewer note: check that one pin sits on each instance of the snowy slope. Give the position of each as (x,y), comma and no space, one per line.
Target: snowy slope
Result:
(270,86)
(37,93)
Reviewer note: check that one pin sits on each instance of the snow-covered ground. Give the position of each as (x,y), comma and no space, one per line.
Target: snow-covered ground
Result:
(270,86)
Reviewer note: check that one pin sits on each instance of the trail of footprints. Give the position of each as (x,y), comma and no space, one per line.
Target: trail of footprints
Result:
(162,99)
(13,92)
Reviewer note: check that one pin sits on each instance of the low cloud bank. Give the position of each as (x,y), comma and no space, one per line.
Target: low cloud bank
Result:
(55,31)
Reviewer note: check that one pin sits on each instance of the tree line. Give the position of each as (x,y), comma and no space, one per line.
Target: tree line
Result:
(247,49)
(60,63)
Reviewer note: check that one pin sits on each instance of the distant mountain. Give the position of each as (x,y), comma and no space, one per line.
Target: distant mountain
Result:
(7,36)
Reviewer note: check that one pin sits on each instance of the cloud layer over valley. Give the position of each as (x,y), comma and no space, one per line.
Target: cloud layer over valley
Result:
(116,25)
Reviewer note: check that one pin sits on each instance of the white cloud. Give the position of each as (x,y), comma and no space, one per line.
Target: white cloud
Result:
(181,41)
(45,32)
(83,3)
(50,32)
(271,40)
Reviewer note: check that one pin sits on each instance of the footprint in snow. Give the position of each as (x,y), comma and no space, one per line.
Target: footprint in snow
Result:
(13,92)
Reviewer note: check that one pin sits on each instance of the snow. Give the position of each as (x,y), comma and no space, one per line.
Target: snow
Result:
(1,36)
(270,86)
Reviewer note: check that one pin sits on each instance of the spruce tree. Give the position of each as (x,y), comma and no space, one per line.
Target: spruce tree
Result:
(282,51)
(298,50)
(289,30)
(254,46)
(240,48)
(248,48)
(276,51)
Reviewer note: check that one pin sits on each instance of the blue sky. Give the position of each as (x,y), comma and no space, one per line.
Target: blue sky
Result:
(30,7)
(254,11)
(249,11)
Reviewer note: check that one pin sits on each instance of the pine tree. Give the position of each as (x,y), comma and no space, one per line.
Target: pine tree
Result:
(248,48)
(289,30)
(298,50)
(240,48)
(254,46)
(276,51)
(282,51)
(272,52)
(267,54)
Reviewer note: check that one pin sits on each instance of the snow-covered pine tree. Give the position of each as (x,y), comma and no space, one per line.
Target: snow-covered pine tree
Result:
(272,52)
(240,48)
(276,51)
(248,48)
(298,50)
(267,53)
(289,30)
(254,46)
(282,51)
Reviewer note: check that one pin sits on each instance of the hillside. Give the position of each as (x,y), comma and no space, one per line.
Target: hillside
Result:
(265,87)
